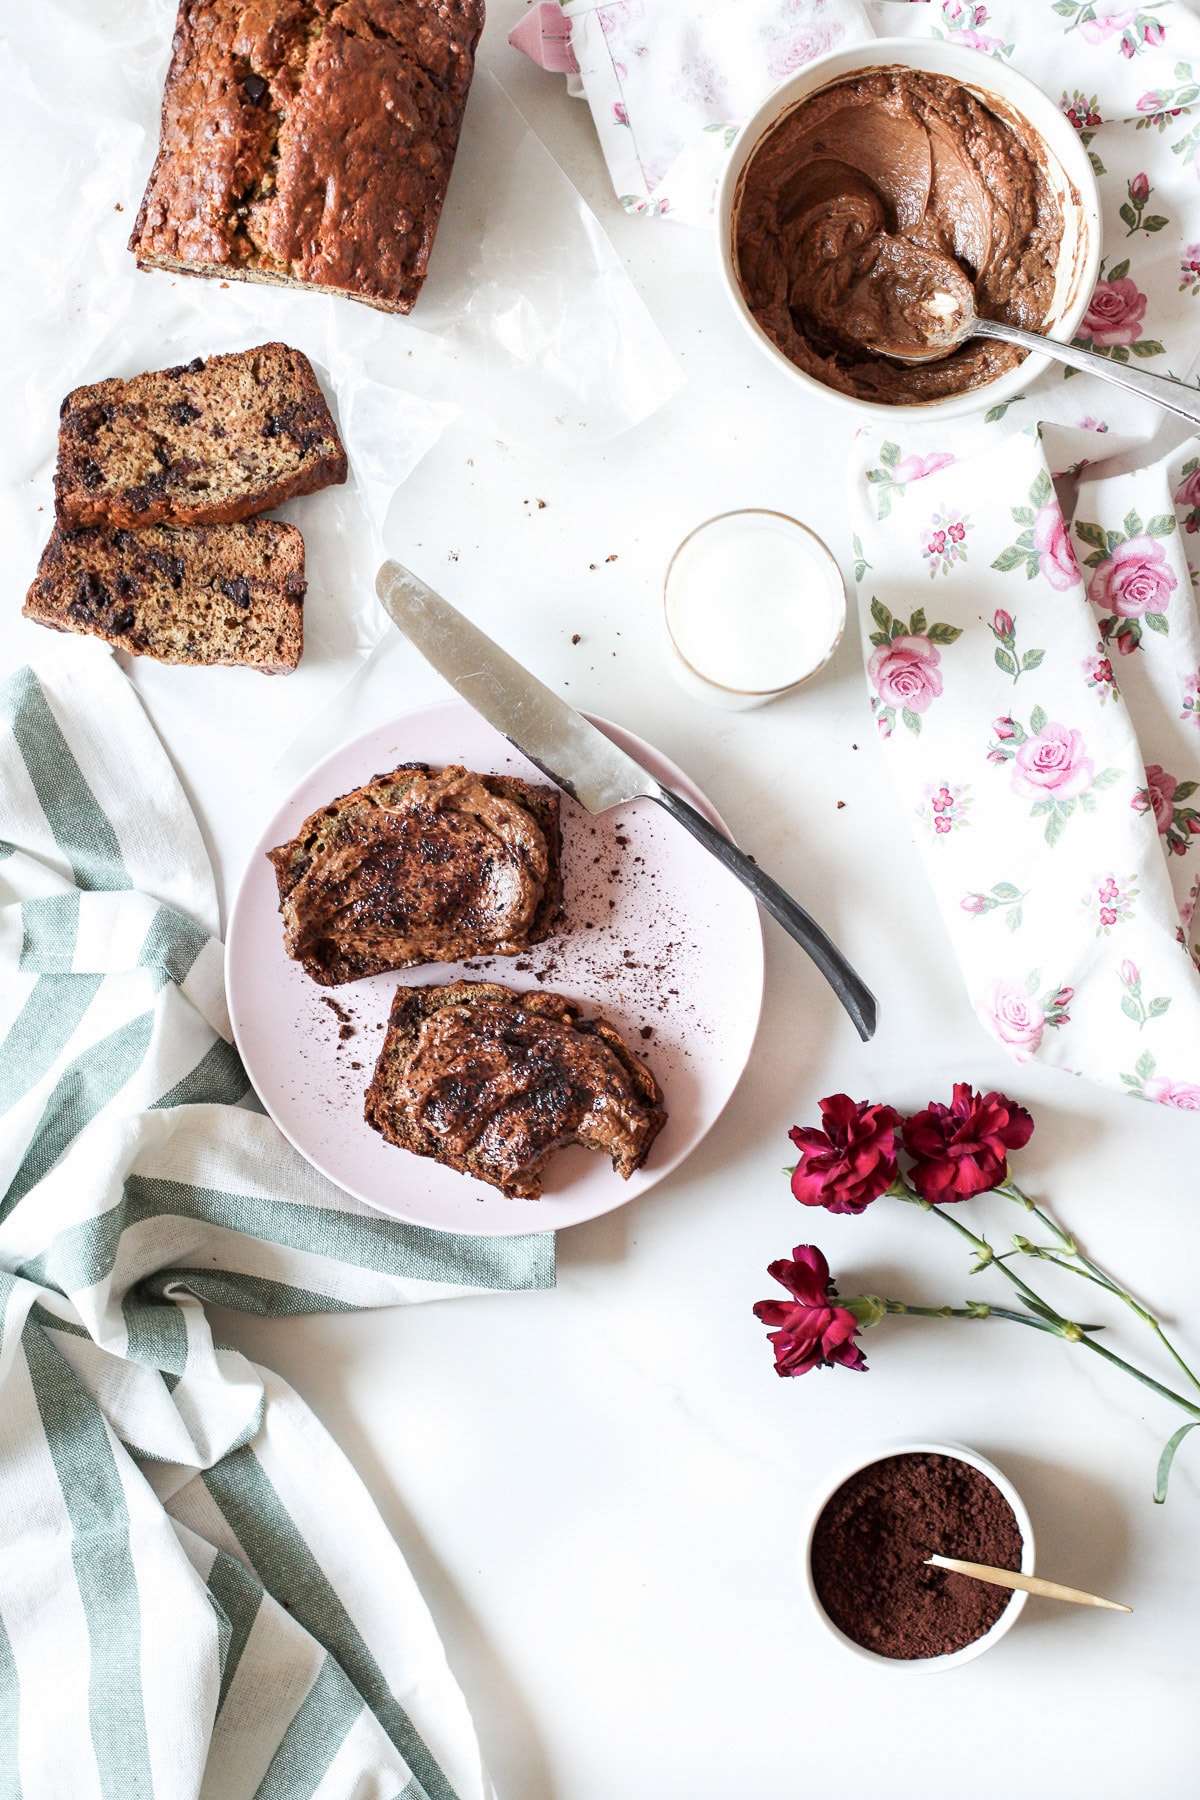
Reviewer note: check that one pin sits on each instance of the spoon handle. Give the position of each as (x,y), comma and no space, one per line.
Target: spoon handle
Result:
(1177,396)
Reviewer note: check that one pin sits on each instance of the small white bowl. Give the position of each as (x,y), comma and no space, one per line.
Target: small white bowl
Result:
(918,1665)
(701,682)
(1070,174)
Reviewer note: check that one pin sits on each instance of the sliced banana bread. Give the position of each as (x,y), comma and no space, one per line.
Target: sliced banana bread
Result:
(190,594)
(492,1082)
(418,867)
(201,444)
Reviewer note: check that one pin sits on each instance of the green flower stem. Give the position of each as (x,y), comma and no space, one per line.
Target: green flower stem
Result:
(1055,1320)
(1139,1375)
(981,1309)
(986,1254)
(1090,1271)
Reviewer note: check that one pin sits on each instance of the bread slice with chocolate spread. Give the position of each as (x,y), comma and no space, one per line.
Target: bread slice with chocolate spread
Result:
(492,1082)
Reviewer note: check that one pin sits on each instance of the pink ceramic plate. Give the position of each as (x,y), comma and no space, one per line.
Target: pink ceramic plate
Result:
(658,937)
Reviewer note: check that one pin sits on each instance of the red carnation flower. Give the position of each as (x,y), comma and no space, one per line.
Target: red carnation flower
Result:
(851,1161)
(962,1149)
(811,1331)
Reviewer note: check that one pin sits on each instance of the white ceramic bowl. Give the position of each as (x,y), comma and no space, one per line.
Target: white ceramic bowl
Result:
(903,1447)
(1070,173)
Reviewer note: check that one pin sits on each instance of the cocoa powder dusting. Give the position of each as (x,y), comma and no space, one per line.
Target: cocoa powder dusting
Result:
(871,1541)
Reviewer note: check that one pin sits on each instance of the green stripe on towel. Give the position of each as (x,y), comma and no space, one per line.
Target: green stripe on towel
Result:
(50,925)
(41,1031)
(80,826)
(322,1722)
(291,1574)
(172,944)
(217,1079)
(83,1089)
(239,1596)
(83,1254)
(10,1708)
(103,1565)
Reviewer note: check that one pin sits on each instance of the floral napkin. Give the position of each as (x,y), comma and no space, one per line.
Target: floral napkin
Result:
(1038,686)
(1037,678)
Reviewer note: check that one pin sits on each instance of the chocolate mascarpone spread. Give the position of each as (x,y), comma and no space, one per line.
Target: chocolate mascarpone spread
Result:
(512,1084)
(420,867)
(864,209)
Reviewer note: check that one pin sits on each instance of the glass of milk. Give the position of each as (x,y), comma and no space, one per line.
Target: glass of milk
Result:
(755,604)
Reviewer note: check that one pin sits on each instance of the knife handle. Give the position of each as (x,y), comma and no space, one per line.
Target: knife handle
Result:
(854,995)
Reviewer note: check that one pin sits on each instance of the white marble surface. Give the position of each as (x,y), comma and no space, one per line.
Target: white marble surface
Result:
(599,1488)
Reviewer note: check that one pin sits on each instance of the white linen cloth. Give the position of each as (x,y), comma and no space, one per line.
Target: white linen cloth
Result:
(1037,682)
(197,1595)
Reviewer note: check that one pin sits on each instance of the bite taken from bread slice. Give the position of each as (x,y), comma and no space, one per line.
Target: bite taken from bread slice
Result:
(204,594)
(200,444)
(492,1082)
(420,866)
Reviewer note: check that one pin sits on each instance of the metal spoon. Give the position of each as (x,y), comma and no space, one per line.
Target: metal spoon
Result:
(945,317)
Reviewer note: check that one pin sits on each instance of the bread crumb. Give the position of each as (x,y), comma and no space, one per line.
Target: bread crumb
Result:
(541,506)
(841,805)
(575,637)
(118,207)
(609,559)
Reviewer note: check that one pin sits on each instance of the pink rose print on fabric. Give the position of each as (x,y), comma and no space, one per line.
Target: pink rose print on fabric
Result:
(1106,22)
(1115,313)
(1004,895)
(894,472)
(1190,711)
(962,21)
(1184,1095)
(1012,1016)
(1056,559)
(906,673)
(1004,629)
(1188,493)
(1148,1084)
(1166,796)
(1189,270)
(916,468)
(1054,762)
(1113,322)
(905,667)
(1042,547)
(1133,581)
(797,47)
(1134,1004)
(1050,766)
(1015,1016)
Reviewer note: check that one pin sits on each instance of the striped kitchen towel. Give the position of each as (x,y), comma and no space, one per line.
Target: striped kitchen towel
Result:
(197,1595)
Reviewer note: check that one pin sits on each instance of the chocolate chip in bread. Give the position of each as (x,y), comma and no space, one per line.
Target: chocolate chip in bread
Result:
(309,143)
(200,444)
(492,1082)
(198,594)
(417,867)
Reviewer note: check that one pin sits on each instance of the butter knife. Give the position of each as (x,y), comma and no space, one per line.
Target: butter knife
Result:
(581,760)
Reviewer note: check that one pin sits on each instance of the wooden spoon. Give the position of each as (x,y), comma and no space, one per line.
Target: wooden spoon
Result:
(1029,1584)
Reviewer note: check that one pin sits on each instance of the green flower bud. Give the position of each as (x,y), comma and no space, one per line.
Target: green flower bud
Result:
(868,1309)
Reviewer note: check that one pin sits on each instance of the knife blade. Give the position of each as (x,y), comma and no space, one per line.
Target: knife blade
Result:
(577,757)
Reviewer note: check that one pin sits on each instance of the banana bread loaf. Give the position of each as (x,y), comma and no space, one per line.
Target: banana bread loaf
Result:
(309,143)
(201,444)
(200,594)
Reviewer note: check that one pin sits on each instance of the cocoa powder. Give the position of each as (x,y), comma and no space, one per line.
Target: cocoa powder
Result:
(871,1541)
